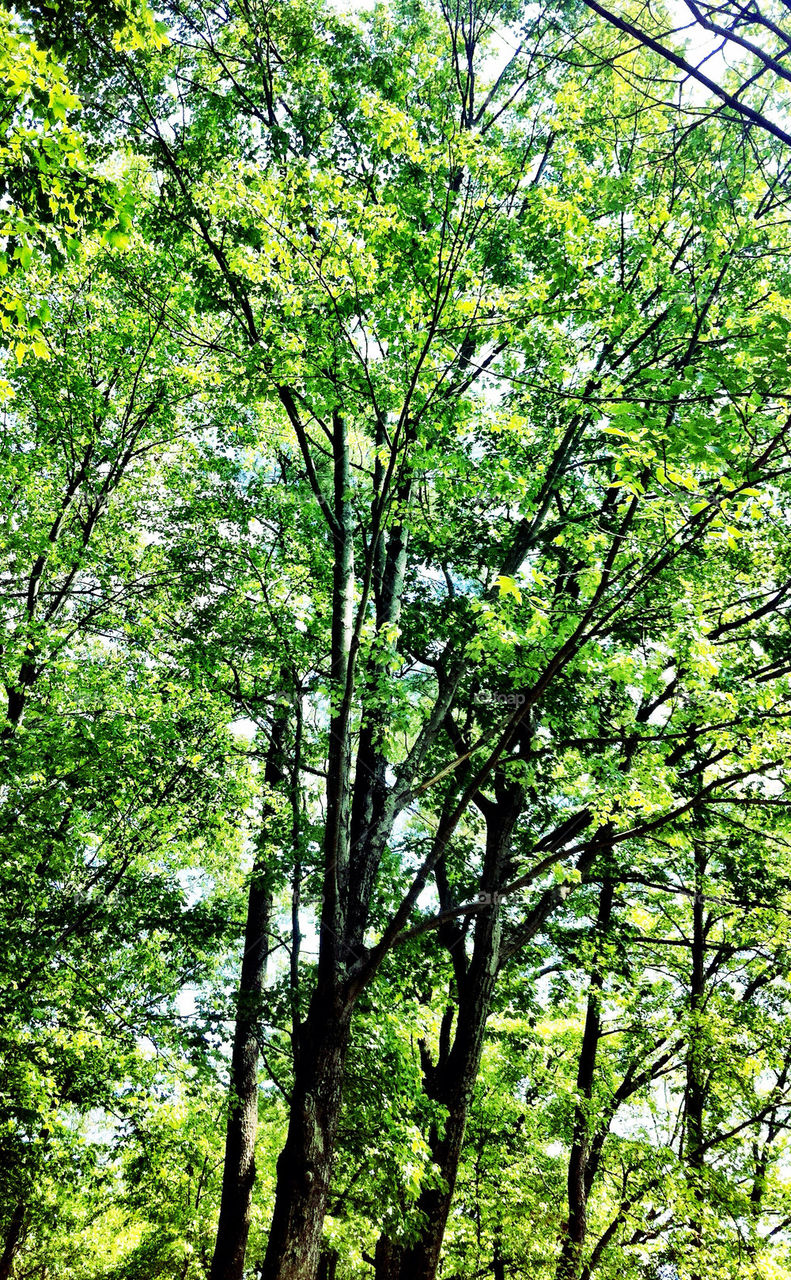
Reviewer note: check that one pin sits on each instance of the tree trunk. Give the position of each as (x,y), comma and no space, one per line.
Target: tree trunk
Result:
(304,1167)
(239,1167)
(328,1264)
(13,1239)
(452,1081)
(694,1100)
(387,1259)
(421,1259)
(498,1261)
(579,1180)
(320,1043)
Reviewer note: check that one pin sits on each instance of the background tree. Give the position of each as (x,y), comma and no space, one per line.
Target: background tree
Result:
(118,782)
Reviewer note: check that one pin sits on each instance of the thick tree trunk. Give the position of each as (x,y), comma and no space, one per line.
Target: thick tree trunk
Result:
(387,1259)
(420,1260)
(579,1174)
(321,1042)
(13,1237)
(239,1167)
(452,1081)
(304,1167)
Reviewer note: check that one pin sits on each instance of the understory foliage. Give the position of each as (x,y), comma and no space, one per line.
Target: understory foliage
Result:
(394,494)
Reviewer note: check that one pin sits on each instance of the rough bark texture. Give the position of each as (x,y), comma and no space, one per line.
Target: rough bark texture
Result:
(304,1167)
(239,1166)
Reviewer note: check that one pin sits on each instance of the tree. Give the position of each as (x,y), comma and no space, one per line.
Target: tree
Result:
(117,783)
(314,301)
(509,389)
(757,38)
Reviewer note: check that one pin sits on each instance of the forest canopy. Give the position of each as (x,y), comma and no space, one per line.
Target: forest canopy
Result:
(395,574)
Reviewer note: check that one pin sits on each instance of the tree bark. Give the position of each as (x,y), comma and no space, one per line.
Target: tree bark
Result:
(498,1261)
(13,1238)
(239,1166)
(320,1043)
(451,1081)
(304,1167)
(694,1099)
(579,1172)
(387,1259)
(420,1260)
(328,1264)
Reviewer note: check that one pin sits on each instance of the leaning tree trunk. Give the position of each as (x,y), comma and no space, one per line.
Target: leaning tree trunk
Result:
(239,1166)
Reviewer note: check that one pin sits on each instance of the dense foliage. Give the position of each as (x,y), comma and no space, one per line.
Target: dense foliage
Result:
(395,570)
